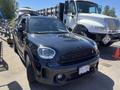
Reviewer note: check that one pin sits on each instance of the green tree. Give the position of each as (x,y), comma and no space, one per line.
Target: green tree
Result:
(106,10)
(8,8)
(112,12)
(109,11)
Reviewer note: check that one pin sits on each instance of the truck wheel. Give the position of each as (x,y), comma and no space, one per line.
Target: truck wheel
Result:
(105,45)
(30,70)
(81,30)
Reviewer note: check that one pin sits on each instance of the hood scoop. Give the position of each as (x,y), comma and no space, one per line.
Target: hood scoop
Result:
(67,37)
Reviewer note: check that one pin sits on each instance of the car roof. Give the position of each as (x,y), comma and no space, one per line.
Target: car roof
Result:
(43,17)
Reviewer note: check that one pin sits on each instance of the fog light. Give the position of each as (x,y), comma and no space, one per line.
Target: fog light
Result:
(60,77)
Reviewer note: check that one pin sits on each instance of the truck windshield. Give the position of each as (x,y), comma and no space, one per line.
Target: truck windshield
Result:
(46,25)
(86,7)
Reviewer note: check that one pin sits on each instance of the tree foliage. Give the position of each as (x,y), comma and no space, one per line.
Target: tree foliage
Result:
(109,11)
(8,8)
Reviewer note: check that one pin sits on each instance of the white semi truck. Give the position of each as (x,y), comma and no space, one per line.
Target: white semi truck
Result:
(85,18)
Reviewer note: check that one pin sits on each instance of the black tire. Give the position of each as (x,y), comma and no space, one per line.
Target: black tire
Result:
(105,45)
(81,30)
(30,70)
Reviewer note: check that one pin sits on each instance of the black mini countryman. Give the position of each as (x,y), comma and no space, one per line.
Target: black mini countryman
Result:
(53,55)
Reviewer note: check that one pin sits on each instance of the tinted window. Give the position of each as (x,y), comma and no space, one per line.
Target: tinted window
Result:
(37,25)
(87,7)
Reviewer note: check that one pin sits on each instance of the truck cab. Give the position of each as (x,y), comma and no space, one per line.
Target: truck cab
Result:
(85,18)
(73,9)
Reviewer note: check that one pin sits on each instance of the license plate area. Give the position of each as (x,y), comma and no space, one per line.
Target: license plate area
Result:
(84,69)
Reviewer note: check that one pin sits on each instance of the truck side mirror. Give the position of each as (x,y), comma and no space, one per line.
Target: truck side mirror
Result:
(99,9)
(66,7)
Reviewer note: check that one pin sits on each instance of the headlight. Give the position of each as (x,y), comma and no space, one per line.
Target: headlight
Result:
(46,52)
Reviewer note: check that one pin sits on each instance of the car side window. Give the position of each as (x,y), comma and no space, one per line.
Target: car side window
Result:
(92,10)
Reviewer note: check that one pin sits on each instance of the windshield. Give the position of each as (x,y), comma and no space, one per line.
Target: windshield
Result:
(46,25)
(87,7)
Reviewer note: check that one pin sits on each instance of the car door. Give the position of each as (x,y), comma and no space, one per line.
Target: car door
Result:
(16,33)
(20,35)
(70,16)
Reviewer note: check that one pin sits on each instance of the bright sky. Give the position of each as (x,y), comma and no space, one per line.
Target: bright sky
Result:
(39,4)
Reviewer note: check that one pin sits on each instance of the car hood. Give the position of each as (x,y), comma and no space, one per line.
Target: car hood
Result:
(61,42)
(94,15)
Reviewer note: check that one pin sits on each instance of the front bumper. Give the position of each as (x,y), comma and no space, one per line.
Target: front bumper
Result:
(113,37)
(60,75)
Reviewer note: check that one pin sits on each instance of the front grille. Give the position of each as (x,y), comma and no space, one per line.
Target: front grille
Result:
(77,57)
(113,24)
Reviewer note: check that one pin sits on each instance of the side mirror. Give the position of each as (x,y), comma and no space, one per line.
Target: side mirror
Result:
(99,9)
(19,27)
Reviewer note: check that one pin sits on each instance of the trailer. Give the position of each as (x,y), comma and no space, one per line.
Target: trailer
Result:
(84,17)
(54,11)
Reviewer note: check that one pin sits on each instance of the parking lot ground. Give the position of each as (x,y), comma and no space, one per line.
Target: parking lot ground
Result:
(14,76)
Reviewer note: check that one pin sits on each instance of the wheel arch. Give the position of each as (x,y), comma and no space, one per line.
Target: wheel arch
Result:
(80,25)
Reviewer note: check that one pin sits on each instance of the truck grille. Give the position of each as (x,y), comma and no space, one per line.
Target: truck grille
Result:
(77,57)
(113,24)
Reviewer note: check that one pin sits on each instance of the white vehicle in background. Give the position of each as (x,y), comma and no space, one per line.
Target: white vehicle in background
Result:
(85,18)
(26,11)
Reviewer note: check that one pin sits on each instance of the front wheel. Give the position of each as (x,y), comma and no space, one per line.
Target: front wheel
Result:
(30,70)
